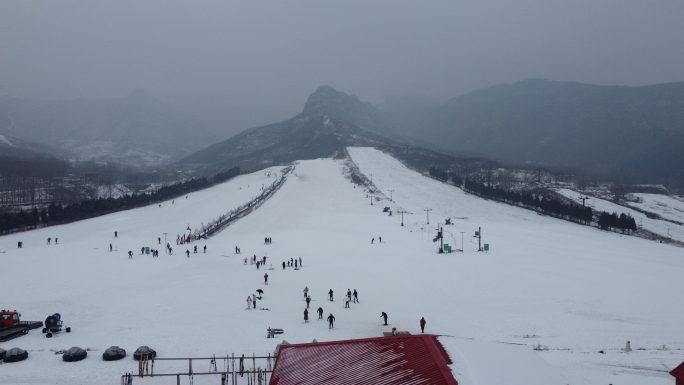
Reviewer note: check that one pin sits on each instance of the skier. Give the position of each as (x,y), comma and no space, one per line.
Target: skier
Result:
(258,264)
(372,240)
(346,301)
(284,267)
(110,247)
(380,239)
(205,249)
(308,300)
(306,290)
(159,240)
(266,279)
(142,250)
(236,250)
(422,324)
(330,293)
(170,250)
(116,234)
(187,252)
(356,296)
(19,245)
(249,303)
(331,321)
(130,254)
(49,239)
(349,293)
(254,300)
(320,313)
(265,240)
(295,263)
(384,315)
(300,262)
(306,315)
(56,241)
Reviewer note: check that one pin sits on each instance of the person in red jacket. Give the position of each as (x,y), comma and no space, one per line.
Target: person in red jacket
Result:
(266,278)
(422,324)
(306,315)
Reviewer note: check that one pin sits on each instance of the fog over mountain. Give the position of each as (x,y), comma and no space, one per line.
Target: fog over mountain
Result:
(633,132)
(137,129)
(73,71)
(329,122)
(255,54)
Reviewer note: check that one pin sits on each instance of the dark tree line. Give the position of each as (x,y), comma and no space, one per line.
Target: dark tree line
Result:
(438,173)
(527,199)
(58,213)
(624,222)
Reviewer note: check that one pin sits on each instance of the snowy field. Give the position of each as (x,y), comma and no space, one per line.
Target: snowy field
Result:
(657,226)
(545,281)
(666,206)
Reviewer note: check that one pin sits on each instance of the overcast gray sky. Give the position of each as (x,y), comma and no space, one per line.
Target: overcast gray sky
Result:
(255,53)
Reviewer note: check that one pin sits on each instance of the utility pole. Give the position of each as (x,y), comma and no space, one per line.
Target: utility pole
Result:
(371,198)
(583,198)
(428,211)
(402,216)
(462,244)
(478,235)
(167,249)
(428,215)
(441,239)
(391,191)
(371,178)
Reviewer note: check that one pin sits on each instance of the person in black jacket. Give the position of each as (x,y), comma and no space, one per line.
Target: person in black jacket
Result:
(320,313)
(331,321)
(384,315)
(330,293)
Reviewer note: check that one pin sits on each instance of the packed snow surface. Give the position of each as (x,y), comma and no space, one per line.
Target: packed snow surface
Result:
(478,362)
(545,281)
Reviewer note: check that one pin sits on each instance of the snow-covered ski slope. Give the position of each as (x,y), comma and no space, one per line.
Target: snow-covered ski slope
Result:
(569,287)
(657,226)
(668,207)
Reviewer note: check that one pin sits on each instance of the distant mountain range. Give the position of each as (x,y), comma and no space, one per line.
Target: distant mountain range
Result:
(137,129)
(635,134)
(631,132)
(11,146)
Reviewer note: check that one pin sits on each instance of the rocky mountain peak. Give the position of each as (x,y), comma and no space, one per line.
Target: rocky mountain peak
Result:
(328,101)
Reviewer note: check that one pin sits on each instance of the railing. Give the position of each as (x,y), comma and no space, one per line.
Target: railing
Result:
(227,219)
(236,370)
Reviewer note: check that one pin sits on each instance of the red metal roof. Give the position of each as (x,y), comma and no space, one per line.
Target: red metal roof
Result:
(678,372)
(406,360)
